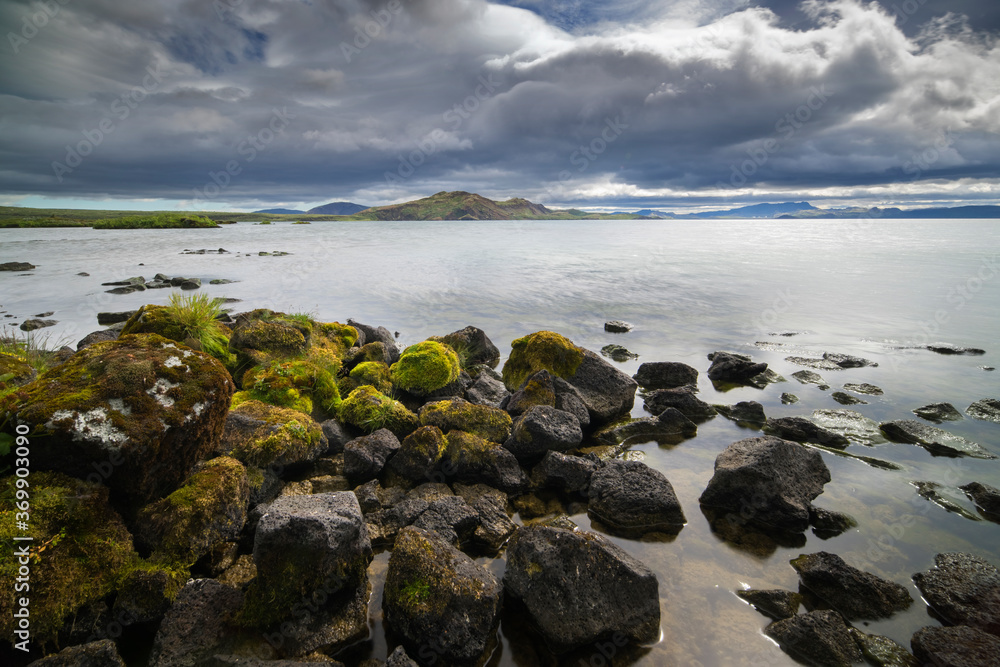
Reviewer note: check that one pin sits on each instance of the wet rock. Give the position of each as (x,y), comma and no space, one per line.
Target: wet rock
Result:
(419,454)
(827,523)
(681,398)
(399,658)
(135,280)
(788,399)
(728,367)
(617,326)
(542,429)
(986,497)
(959,646)
(749,412)
(487,390)
(882,651)
(474,346)
(337,436)
(772,480)
(801,429)
(101,653)
(847,361)
(365,457)
(864,388)
(618,353)
(808,377)
(846,399)
(565,473)
(578,587)
(495,527)
(810,362)
(101,336)
(144,407)
(934,440)
(777,604)
(632,499)
(439,600)
(938,412)
(668,428)
(114,318)
(852,425)
(854,593)
(491,424)
(963,589)
(197,626)
(946,348)
(16,266)
(35,324)
(472,459)
(987,409)
(665,375)
(817,638)
(451,518)
(932,491)
(126,290)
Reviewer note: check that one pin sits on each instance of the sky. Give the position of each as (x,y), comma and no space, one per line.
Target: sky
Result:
(674,105)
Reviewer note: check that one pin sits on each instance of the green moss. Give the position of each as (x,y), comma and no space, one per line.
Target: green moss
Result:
(282,435)
(369,409)
(468,452)
(80,551)
(543,349)
(188,319)
(299,385)
(533,393)
(489,423)
(425,367)
(374,373)
(265,339)
(336,337)
(370,352)
(415,592)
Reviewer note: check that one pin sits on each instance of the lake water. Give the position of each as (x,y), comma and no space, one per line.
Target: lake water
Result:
(867,288)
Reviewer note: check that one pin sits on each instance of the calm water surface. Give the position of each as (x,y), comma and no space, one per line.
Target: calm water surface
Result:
(857,287)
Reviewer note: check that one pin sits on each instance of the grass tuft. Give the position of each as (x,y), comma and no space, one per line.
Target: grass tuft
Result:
(197,314)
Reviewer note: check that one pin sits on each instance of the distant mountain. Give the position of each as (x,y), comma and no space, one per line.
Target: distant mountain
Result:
(877,213)
(338,208)
(280,211)
(755,211)
(469,206)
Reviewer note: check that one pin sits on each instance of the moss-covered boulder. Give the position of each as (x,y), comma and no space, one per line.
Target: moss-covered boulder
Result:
(537,389)
(261,336)
(263,435)
(14,372)
(334,336)
(80,549)
(474,460)
(425,367)
(146,593)
(606,392)
(211,506)
(373,373)
(419,455)
(456,414)
(435,593)
(369,409)
(136,413)
(299,385)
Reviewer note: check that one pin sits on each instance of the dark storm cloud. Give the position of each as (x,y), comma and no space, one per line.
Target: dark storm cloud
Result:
(248,102)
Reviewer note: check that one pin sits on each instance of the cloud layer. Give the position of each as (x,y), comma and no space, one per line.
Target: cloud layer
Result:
(264,102)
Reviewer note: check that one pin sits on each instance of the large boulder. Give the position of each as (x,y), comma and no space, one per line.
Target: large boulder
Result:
(607,392)
(959,646)
(263,436)
(210,507)
(631,498)
(425,368)
(487,390)
(542,429)
(311,549)
(457,414)
(817,638)
(937,441)
(731,368)
(419,455)
(138,413)
(801,429)
(854,593)
(198,625)
(565,473)
(438,600)
(769,481)
(473,347)
(963,589)
(579,587)
(472,459)
(665,375)
(365,457)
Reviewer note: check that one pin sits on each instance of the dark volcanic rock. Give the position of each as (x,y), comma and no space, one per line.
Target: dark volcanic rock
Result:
(801,429)
(472,459)
(854,593)
(788,399)
(474,345)
(618,353)
(487,390)
(438,600)
(101,653)
(578,587)
(750,412)
(197,625)
(114,318)
(631,498)
(35,324)
(381,334)
(964,590)
(97,337)
(665,375)
(777,604)
(399,658)
(669,427)
(606,391)
(768,480)
(419,454)
(681,398)
(938,412)
(16,266)
(846,399)
(847,361)
(817,638)
(733,368)
(946,348)
(569,474)
(864,388)
(538,389)
(959,646)
(987,409)
(451,518)
(617,326)
(934,440)
(337,436)
(827,524)
(542,429)
(808,377)
(365,457)
(882,651)
(986,497)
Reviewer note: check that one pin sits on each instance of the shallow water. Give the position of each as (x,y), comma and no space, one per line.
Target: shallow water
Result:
(865,288)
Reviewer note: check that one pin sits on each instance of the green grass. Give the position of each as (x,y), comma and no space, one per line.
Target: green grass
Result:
(156,221)
(197,314)
(36,349)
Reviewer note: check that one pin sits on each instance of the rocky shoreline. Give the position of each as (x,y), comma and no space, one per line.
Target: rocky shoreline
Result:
(226,502)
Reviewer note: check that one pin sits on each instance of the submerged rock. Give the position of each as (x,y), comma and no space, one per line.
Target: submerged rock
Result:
(632,499)
(852,425)
(618,353)
(801,429)
(864,388)
(665,375)
(934,440)
(788,399)
(668,428)
(963,589)
(987,409)
(854,593)
(769,481)
(817,638)
(939,412)
(777,604)
(438,600)
(16,266)
(932,491)
(986,497)
(959,646)
(827,523)
(808,377)
(748,412)
(728,367)
(947,348)
(846,399)
(681,398)
(578,587)
(882,651)
(35,324)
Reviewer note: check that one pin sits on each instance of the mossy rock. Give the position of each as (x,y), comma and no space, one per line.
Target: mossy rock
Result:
(335,336)
(146,593)
(538,389)
(492,424)
(14,372)
(373,373)
(299,385)
(150,319)
(211,506)
(80,551)
(472,459)
(258,341)
(419,454)
(369,409)
(541,350)
(374,351)
(263,435)
(425,367)
(136,413)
